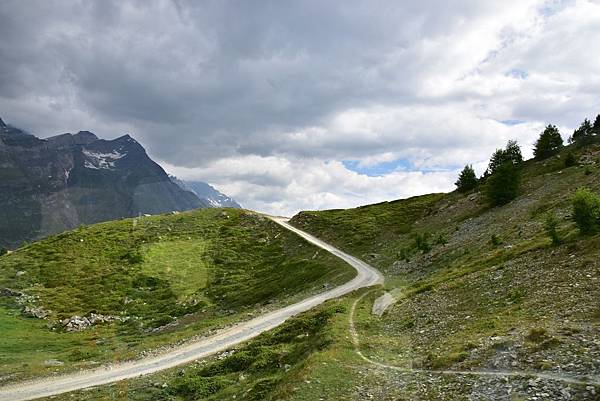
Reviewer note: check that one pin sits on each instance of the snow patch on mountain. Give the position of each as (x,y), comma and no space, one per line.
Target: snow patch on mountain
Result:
(102,161)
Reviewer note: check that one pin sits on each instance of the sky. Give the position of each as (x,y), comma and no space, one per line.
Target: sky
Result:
(296,105)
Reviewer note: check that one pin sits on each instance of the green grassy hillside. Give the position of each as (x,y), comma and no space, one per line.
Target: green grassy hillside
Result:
(481,287)
(158,280)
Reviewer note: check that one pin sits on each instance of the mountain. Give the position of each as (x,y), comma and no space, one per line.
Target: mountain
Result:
(54,184)
(206,192)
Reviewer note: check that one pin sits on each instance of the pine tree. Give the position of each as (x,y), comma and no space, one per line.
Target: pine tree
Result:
(503,186)
(467,180)
(549,143)
(512,154)
(583,134)
(596,126)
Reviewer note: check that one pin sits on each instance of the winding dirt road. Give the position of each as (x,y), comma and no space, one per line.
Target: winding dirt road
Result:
(367,276)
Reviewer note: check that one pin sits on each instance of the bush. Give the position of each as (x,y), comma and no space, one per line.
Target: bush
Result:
(467,180)
(503,186)
(549,143)
(570,160)
(551,224)
(537,335)
(193,387)
(495,240)
(3,251)
(586,211)
(422,242)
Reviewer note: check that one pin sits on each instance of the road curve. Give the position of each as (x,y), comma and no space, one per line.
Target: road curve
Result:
(367,276)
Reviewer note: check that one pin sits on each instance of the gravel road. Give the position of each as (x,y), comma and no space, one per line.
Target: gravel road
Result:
(367,276)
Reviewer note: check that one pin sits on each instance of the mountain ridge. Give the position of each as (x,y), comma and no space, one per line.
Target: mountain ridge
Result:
(55,184)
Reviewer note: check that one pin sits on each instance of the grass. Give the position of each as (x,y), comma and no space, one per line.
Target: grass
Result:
(180,263)
(169,277)
(469,290)
(519,303)
(266,368)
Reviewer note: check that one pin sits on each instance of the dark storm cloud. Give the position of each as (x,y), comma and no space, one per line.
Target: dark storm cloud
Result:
(289,86)
(219,76)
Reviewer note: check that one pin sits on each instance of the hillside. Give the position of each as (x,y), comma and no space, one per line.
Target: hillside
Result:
(481,287)
(488,310)
(115,290)
(51,185)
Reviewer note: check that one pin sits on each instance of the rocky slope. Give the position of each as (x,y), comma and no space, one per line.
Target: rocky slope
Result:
(54,184)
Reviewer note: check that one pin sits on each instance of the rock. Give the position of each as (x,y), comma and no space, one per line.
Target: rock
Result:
(9,292)
(20,273)
(385,301)
(53,362)
(78,323)
(37,312)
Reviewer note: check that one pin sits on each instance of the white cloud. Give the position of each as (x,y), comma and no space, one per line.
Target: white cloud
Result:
(266,100)
(282,186)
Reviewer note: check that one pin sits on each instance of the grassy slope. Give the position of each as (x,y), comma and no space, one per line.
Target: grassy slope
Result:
(474,302)
(181,274)
(468,304)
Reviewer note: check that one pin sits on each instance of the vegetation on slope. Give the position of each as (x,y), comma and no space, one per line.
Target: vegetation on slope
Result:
(156,280)
(311,357)
(483,287)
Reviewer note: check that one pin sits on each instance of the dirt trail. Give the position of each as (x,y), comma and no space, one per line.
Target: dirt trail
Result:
(509,373)
(366,276)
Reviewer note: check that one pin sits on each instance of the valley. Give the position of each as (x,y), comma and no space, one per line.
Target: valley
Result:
(487,307)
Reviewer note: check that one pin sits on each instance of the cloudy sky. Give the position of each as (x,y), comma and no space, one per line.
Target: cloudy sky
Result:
(290,105)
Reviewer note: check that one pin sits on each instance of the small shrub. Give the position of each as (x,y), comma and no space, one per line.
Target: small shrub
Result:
(570,160)
(551,224)
(441,240)
(422,242)
(193,387)
(132,257)
(587,171)
(586,211)
(423,288)
(3,251)
(495,240)
(404,254)
(537,335)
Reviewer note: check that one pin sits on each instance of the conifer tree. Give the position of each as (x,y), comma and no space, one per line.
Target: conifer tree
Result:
(549,143)
(467,180)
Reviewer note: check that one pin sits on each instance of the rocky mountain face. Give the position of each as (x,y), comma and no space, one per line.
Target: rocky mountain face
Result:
(206,192)
(55,184)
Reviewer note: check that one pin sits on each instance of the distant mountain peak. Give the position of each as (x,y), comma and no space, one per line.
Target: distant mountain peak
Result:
(2,123)
(206,192)
(85,136)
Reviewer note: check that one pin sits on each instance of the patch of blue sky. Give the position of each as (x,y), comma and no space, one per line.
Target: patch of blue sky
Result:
(512,122)
(384,168)
(517,73)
